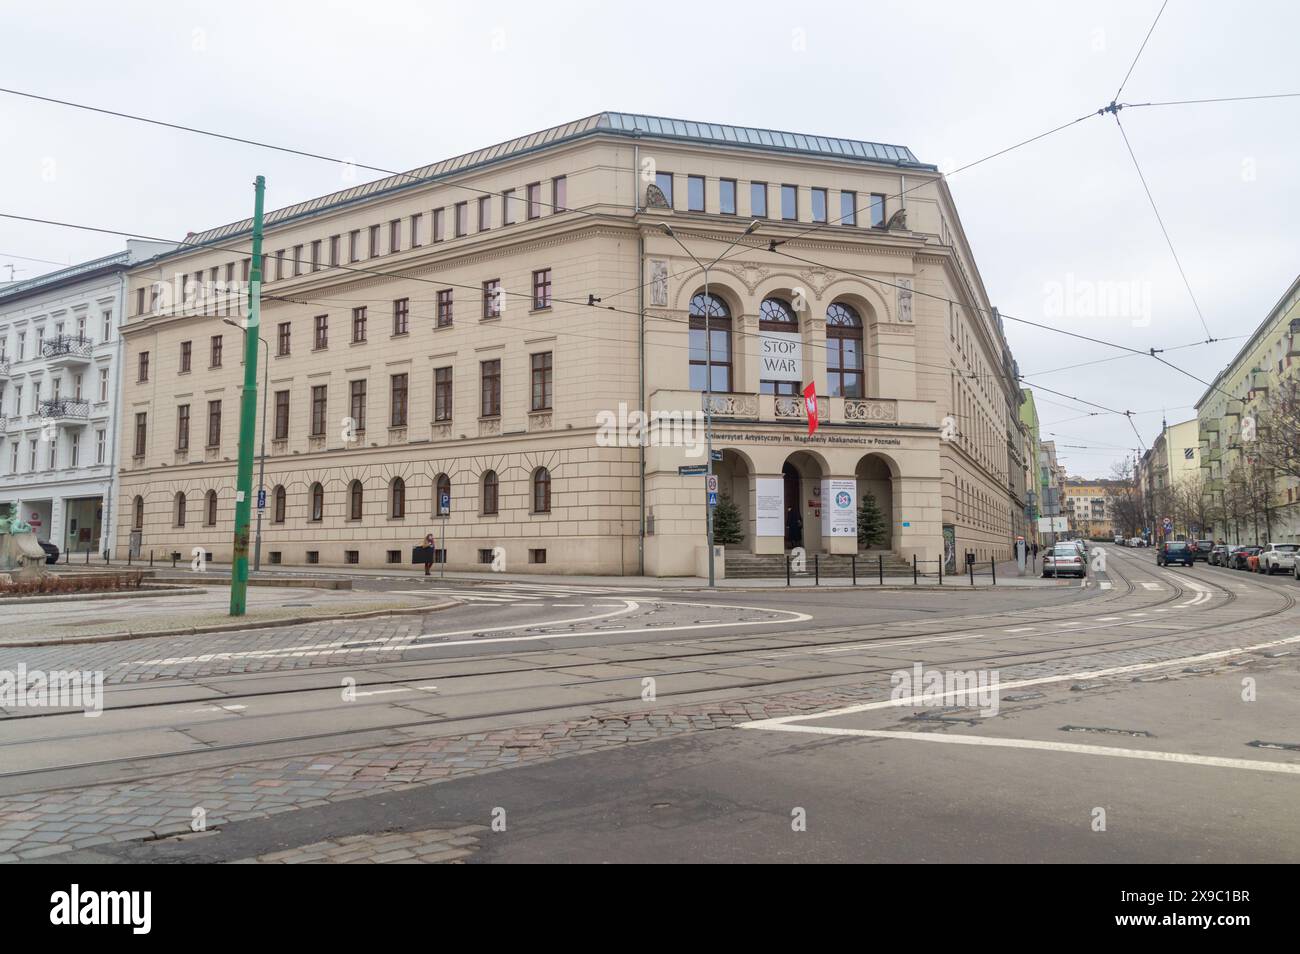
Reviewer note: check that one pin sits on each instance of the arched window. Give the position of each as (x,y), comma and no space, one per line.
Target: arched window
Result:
(397,498)
(277,511)
(210,509)
(442,496)
(180,510)
(710,356)
(541,490)
(137,522)
(490,492)
(778,328)
(356,500)
(317,495)
(844,352)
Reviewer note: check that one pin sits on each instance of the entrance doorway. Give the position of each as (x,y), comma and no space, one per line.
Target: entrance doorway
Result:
(792,509)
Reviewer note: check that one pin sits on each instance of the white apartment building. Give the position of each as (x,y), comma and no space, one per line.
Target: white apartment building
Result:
(59,350)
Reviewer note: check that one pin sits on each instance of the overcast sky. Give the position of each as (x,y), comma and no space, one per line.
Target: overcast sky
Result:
(399,84)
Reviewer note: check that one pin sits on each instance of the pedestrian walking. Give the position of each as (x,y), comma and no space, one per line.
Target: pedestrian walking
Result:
(428,553)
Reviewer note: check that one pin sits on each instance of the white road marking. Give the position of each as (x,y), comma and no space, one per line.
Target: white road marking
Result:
(233,707)
(1151,586)
(1022,629)
(781,722)
(1107,619)
(1184,758)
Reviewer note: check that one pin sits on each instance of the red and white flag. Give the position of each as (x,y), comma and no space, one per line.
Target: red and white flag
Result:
(810,405)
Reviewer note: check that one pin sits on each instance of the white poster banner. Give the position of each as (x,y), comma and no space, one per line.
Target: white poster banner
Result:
(839,507)
(780,356)
(769,506)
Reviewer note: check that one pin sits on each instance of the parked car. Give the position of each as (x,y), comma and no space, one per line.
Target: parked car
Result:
(1064,559)
(1278,558)
(1174,551)
(51,551)
(1201,549)
(1218,555)
(1240,559)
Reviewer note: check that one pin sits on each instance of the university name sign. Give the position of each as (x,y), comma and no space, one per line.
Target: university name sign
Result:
(819,439)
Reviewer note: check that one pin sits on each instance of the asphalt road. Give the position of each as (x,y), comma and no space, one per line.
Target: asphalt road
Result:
(608,724)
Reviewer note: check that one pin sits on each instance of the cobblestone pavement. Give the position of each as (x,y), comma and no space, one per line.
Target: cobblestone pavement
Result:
(43,824)
(428,846)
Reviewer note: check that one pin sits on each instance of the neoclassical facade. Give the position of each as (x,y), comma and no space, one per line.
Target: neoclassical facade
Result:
(467,350)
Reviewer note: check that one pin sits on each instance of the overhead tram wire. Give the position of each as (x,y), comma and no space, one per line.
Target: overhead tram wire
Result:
(303,153)
(1165,231)
(1138,56)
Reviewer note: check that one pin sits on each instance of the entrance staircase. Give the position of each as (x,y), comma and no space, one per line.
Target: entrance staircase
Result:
(742,565)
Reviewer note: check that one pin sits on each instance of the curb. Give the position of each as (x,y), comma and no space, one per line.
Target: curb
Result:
(85,597)
(227,627)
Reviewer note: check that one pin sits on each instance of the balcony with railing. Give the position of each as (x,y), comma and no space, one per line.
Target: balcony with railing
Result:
(66,351)
(1208,428)
(65,412)
(4,368)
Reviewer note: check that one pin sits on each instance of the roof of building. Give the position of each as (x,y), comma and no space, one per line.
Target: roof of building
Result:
(622,124)
(19,289)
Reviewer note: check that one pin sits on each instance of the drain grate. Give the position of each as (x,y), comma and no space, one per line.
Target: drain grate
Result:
(1106,730)
(1287,746)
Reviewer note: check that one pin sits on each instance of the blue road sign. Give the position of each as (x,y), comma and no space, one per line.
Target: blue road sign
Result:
(713,498)
(261,499)
(444,503)
(692,470)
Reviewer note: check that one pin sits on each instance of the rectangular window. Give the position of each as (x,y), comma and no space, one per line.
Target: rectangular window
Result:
(877,210)
(297,260)
(727,196)
(322,337)
(354,246)
(315,256)
(75,450)
(282,338)
(335,241)
(401,316)
(758,200)
(559,194)
(462,219)
(789,202)
(144,367)
(373,245)
(417,221)
(819,205)
(543,381)
(664,180)
(508,207)
(490,388)
(534,200)
(438,225)
(101,445)
(492,298)
(484,213)
(444,308)
(848,208)
(214,423)
(394,236)
(281,416)
(279,264)
(103,384)
(397,401)
(357,404)
(442,394)
(182,427)
(245,269)
(214,351)
(187,349)
(319,404)
(542,288)
(358,325)
(695,193)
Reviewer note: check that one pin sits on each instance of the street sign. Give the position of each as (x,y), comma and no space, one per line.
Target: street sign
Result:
(713,498)
(717,456)
(444,503)
(711,484)
(261,499)
(692,470)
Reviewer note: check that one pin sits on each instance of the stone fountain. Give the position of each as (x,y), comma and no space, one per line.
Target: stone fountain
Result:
(21,556)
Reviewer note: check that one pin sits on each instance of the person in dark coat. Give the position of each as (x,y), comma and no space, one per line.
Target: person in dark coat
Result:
(793,527)
(428,553)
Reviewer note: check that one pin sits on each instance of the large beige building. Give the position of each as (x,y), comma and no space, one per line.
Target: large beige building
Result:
(465,350)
